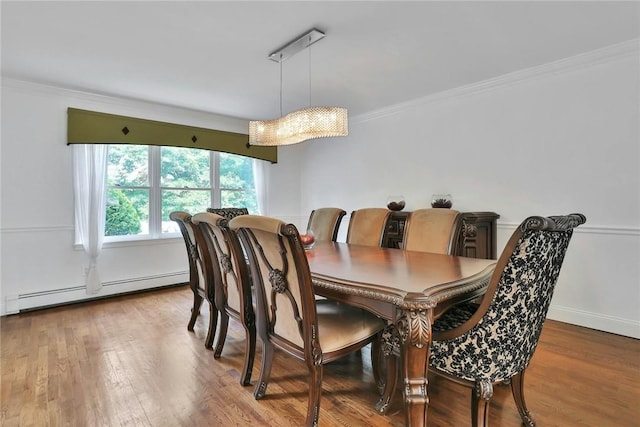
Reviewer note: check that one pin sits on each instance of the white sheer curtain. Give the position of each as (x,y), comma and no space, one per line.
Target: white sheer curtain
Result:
(261,181)
(89,182)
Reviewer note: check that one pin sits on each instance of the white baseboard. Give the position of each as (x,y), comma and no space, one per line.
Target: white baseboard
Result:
(614,325)
(12,304)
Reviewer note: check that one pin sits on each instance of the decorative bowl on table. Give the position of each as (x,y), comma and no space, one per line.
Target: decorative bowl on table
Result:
(395,203)
(441,201)
(308,239)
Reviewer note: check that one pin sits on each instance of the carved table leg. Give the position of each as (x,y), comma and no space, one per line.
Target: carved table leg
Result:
(414,328)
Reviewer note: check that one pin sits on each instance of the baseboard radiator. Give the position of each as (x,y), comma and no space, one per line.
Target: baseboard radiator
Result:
(53,297)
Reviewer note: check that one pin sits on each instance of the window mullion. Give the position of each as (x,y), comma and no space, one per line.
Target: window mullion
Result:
(155,192)
(215,180)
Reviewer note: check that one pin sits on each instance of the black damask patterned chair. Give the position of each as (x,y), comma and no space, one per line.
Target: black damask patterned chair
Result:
(288,317)
(197,275)
(228,213)
(479,346)
(232,284)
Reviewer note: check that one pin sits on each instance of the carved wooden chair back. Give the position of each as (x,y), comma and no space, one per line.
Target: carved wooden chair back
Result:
(197,274)
(232,284)
(367,225)
(325,223)
(228,213)
(494,342)
(288,317)
(432,230)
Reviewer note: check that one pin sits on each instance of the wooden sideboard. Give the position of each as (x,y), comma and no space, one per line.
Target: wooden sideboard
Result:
(394,230)
(476,233)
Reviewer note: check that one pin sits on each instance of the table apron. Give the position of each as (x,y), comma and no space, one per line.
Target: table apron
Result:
(384,309)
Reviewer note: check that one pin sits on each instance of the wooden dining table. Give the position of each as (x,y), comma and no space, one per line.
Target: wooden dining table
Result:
(409,290)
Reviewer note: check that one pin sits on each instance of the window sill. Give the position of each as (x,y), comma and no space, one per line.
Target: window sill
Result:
(140,241)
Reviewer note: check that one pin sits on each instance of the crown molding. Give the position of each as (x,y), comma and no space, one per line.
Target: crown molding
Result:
(129,105)
(607,54)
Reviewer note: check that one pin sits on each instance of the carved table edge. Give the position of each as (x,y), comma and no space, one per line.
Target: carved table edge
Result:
(396,300)
(420,303)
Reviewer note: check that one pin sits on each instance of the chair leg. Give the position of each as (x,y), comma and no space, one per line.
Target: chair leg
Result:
(391,351)
(249,355)
(391,362)
(265,370)
(376,366)
(222,334)
(195,311)
(517,389)
(315,392)
(480,398)
(213,323)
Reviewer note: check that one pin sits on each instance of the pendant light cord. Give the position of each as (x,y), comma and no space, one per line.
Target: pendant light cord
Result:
(309,49)
(281,84)
(309,75)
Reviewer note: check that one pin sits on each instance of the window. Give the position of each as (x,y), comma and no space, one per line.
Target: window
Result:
(146,183)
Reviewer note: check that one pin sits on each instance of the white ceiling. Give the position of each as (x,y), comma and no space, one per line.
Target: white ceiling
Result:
(212,55)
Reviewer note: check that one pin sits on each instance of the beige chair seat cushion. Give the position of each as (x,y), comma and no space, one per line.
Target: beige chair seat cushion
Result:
(341,325)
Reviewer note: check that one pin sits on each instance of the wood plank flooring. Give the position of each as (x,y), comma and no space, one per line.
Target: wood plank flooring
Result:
(130,361)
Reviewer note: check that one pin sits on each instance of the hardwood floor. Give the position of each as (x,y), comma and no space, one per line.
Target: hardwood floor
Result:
(131,361)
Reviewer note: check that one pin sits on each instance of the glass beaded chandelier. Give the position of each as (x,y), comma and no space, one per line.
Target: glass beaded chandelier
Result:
(304,124)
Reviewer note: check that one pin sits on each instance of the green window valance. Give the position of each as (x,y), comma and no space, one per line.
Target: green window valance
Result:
(91,127)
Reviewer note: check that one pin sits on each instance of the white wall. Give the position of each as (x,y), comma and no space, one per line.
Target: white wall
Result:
(557,139)
(39,263)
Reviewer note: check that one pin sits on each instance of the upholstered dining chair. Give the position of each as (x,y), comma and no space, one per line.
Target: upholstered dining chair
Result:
(231,281)
(325,223)
(287,315)
(431,230)
(197,275)
(366,226)
(229,213)
(480,345)
(426,230)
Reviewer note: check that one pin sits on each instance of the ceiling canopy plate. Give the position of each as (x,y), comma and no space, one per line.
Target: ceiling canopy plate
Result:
(295,46)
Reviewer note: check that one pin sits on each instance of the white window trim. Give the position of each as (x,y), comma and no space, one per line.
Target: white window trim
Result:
(155,235)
